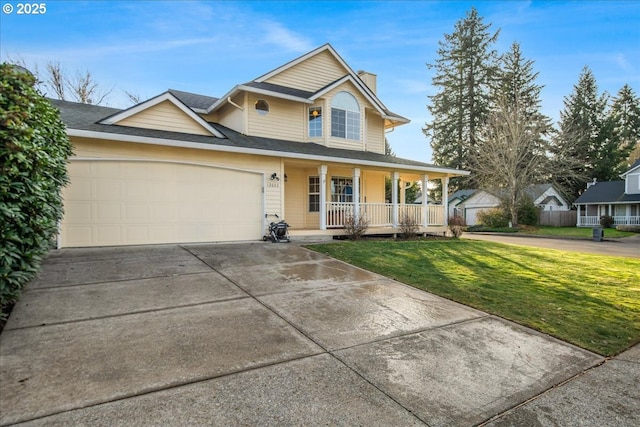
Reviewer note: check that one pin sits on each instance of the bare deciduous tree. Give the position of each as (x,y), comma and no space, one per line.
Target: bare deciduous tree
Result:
(133,97)
(509,158)
(55,80)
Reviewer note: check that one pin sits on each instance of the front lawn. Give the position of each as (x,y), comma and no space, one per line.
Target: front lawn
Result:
(562,232)
(582,232)
(592,301)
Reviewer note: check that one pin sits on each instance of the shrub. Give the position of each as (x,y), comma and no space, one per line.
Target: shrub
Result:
(493,218)
(409,227)
(606,221)
(457,224)
(33,158)
(527,213)
(356,227)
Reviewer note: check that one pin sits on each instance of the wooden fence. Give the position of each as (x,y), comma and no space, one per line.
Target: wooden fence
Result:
(558,218)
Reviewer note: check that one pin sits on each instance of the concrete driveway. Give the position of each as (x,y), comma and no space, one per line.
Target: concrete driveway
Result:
(263,334)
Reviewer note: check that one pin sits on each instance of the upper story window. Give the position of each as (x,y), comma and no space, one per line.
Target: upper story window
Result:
(315,122)
(262,107)
(345,116)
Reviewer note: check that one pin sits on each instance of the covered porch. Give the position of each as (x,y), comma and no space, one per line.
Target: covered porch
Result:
(622,214)
(319,199)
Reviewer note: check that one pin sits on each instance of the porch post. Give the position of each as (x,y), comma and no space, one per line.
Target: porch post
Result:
(445,199)
(356,193)
(578,216)
(425,207)
(395,176)
(322,171)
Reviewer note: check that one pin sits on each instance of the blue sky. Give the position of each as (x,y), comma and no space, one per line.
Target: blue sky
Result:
(207,47)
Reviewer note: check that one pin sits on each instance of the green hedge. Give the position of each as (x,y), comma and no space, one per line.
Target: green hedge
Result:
(33,157)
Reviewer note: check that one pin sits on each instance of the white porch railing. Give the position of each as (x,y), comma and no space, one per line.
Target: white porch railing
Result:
(594,221)
(381,214)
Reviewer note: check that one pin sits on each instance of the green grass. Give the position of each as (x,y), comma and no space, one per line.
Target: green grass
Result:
(586,233)
(592,301)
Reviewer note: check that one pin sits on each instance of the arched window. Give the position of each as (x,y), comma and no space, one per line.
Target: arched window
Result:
(345,116)
(262,107)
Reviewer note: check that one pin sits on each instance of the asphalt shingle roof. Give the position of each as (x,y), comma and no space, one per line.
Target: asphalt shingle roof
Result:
(280,89)
(461,194)
(193,100)
(607,192)
(86,117)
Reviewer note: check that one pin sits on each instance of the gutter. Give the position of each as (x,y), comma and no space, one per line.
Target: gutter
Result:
(271,153)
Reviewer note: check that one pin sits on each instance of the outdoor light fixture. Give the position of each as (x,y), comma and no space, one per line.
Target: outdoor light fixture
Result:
(274,176)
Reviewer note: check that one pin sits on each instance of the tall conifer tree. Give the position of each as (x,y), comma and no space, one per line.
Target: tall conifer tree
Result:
(465,72)
(625,118)
(582,133)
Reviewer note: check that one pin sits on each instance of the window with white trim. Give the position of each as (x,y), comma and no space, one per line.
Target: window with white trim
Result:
(315,122)
(262,107)
(341,189)
(345,116)
(314,194)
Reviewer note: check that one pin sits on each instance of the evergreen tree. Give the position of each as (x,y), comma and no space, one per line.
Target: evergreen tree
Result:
(582,137)
(465,72)
(624,120)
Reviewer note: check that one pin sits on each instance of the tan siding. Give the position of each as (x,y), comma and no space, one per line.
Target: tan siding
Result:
(374,132)
(295,205)
(285,119)
(232,117)
(312,74)
(373,186)
(165,116)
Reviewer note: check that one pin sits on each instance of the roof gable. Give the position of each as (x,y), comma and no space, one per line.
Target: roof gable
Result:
(170,106)
(635,168)
(308,78)
(310,71)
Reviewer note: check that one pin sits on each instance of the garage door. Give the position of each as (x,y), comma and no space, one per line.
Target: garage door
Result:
(471,215)
(141,202)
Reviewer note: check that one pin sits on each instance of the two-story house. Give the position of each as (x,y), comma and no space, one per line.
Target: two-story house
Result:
(618,199)
(305,141)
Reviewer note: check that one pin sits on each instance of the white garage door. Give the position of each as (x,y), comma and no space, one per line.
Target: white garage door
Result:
(141,202)
(471,215)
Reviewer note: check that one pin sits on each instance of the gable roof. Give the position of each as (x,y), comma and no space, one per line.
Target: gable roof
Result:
(166,96)
(325,47)
(84,120)
(534,191)
(606,192)
(198,103)
(261,86)
(634,166)
(461,194)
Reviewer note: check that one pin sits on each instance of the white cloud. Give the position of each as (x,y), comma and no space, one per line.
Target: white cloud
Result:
(622,62)
(414,86)
(284,38)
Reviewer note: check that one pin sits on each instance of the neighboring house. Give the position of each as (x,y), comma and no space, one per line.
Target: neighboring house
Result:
(305,141)
(418,200)
(468,203)
(455,199)
(619,199)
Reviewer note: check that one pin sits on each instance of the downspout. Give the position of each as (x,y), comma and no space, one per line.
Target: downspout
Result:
(234,104)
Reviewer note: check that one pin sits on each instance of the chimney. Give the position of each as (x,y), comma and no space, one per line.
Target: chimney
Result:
(589,184)
(369,79)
